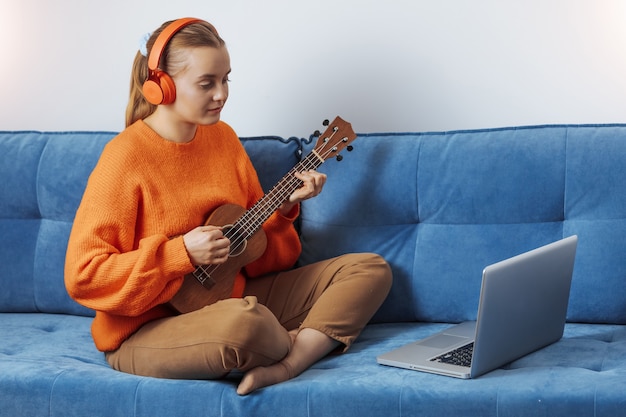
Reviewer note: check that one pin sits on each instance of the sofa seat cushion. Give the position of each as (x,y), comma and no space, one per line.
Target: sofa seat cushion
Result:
(49,366)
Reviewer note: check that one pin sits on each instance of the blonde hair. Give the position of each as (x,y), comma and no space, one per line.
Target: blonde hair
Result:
(191,36)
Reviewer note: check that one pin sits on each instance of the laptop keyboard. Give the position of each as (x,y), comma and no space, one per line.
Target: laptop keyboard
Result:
(461,356)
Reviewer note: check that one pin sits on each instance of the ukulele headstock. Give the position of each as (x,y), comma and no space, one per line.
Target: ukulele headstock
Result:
(335,138)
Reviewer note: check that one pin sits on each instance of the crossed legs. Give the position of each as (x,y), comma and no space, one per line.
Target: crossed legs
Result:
(285,323)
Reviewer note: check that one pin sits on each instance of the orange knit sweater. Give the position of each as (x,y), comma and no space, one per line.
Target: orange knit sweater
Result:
(126,255)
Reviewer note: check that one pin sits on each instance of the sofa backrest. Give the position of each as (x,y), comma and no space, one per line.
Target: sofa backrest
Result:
(43,176)
(438,206)
(441,206)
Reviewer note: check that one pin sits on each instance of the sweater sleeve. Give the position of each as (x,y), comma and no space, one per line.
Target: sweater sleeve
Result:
(108,268)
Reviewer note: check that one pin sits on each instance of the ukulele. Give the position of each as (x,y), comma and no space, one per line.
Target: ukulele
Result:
(208,284)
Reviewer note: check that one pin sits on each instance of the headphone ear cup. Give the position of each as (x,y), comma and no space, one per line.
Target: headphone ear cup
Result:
(152,91)
(168,87)
(159,88)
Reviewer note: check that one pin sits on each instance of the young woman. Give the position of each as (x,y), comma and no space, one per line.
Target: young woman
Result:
(139,230)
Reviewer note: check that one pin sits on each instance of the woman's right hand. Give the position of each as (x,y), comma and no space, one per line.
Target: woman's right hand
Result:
(207,245)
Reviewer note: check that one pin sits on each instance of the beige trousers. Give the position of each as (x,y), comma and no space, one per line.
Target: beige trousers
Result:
(337,297)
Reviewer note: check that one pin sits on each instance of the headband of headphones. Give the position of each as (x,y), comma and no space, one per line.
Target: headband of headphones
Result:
(159,88)
(164,37)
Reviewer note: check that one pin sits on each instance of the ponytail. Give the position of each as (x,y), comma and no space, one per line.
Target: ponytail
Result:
(138,107)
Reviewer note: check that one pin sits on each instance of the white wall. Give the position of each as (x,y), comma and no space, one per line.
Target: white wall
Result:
(392,65)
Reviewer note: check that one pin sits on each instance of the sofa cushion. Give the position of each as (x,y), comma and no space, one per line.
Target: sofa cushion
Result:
(596,210)
(49,366)
(41,188)
(43,176)
(442,206)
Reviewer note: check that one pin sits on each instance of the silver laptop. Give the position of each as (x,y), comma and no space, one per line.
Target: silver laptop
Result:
(522,308)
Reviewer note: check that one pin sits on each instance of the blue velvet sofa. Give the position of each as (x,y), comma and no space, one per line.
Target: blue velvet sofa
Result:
(438,206)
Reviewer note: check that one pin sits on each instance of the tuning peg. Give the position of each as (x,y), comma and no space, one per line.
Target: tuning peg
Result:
(317,133)
(339,157)
(349,148)
(326,122)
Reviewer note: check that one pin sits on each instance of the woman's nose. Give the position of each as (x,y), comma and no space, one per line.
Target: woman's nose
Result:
(221,93)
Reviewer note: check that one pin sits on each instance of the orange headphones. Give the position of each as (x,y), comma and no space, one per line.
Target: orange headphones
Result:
(159,88)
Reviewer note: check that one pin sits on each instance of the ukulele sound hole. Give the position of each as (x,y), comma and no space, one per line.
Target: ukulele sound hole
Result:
(238,242)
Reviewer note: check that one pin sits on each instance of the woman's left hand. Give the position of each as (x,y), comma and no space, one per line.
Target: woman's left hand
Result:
(312,184)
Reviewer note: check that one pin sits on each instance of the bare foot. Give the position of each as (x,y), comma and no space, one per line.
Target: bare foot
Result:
(261,377)
(309,346)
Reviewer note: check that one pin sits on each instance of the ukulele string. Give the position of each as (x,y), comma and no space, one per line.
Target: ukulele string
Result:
(313,160)
(250,222)
(279,193)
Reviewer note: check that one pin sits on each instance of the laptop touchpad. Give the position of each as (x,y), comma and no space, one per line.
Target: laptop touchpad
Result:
(442,341)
